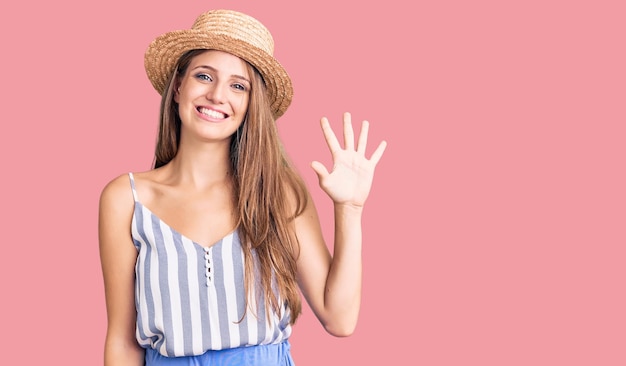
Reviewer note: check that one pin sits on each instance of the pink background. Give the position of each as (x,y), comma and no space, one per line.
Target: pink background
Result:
(494,234)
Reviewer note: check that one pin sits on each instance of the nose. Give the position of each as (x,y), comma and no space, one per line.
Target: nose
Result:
(216,93)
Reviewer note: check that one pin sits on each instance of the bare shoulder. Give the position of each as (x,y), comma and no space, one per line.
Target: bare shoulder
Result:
(115,214)
(117,189)
(116,204)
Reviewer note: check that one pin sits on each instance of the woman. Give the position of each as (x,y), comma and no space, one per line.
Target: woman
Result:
(205,255)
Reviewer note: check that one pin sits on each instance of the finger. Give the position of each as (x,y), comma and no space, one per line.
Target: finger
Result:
(348,133)
(319,169)
(363,137)
(378,153)
(329,135)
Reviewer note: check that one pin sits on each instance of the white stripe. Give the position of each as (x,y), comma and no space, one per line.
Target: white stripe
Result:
(173,281)
(251,317)
(154,274)
(231,290)
(194,296)
(269,333)
(142,316)
(216,340)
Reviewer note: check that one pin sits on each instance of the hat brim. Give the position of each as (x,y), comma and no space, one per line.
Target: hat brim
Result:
(163,54)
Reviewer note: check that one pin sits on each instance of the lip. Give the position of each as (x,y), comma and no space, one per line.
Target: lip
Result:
(209,118)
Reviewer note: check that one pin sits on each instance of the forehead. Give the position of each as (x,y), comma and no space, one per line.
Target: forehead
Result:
(221,62)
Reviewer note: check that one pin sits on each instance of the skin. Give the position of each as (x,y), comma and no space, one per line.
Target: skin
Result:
(193,189)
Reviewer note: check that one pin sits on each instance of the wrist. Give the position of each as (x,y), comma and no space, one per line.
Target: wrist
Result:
(348,208)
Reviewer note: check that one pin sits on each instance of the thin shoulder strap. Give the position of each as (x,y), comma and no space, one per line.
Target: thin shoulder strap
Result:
(132,185)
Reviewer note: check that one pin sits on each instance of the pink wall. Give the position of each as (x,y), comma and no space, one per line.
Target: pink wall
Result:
(495,231)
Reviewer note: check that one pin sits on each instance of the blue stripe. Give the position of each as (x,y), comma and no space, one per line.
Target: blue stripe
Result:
(207,340)
(145,272)
(237,256)
(163,285)
(184,293)
(220,291)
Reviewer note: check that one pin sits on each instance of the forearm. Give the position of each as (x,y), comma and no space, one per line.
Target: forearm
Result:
(119,353)
(342,298)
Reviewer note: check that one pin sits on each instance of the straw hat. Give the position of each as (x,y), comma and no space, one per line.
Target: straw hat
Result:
(229,31)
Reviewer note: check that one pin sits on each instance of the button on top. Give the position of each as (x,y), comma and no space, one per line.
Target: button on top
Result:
(207,265)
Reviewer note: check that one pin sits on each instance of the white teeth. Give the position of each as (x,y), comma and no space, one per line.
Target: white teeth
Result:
(212,113)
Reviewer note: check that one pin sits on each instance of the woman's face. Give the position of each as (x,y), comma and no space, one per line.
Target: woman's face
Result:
(213,95)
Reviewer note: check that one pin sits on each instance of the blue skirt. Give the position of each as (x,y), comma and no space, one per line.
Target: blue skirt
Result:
(263,355)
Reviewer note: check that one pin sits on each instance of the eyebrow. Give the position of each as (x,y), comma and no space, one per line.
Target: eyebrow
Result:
(215,70)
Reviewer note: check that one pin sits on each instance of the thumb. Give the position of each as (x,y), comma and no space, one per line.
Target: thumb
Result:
(320,169)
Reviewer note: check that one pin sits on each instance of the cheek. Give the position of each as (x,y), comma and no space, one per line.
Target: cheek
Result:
(243,104)
(183,106)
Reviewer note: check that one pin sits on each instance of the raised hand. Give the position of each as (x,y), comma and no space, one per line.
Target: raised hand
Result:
(350,180)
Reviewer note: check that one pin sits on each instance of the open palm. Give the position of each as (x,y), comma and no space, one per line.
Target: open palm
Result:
(350,180)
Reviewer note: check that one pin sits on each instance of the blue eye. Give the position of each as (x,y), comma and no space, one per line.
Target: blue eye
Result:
(204,77)
(240,87)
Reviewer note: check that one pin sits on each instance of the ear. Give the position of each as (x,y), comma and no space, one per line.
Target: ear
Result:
(177,93)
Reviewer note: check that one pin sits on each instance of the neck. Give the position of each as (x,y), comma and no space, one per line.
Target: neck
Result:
(201,167)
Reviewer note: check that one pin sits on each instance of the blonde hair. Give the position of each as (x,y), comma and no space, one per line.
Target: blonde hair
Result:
(268,193)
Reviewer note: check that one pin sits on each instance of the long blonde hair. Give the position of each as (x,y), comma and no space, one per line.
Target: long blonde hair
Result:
(268,193)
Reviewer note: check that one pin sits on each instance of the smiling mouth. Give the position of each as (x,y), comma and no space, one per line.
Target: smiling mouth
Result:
(211,113)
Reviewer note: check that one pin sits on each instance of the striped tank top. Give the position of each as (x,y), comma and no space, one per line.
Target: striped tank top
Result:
(189,298)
